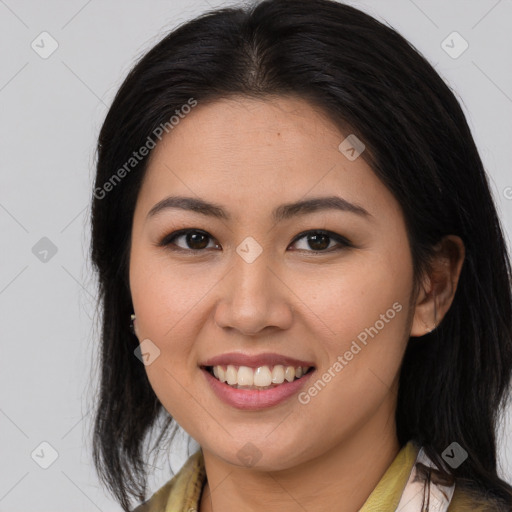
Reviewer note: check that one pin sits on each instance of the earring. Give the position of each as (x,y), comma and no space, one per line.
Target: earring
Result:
(132,325)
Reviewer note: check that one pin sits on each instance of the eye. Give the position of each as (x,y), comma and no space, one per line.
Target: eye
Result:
(194,239)
(320,241)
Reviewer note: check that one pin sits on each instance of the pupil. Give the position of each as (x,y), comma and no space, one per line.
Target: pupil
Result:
(314,242)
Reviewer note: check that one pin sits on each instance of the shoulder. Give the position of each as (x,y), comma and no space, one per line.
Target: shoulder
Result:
(158,501)
(469,500)
(182,490)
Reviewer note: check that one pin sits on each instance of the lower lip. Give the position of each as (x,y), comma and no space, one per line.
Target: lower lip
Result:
(250,399)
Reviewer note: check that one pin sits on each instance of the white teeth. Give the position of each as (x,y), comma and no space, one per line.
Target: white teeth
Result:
(231,375)
(261,377)
(278,374)
(245,376)
(289,373)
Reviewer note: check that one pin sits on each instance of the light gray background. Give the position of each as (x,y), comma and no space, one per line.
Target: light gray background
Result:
(51,111)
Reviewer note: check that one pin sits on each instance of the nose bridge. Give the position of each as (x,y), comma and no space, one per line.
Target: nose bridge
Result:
(252,277)
(253,297)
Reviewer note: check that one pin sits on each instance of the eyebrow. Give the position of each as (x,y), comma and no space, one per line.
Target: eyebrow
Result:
(282,212)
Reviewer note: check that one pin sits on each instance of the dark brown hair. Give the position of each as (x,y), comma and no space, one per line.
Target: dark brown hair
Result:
(363,74)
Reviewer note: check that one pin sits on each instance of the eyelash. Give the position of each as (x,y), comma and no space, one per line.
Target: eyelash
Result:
(169,239)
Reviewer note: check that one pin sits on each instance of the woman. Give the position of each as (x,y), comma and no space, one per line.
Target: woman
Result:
(290,207)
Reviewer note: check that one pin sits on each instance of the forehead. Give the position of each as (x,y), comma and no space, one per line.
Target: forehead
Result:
(249,153)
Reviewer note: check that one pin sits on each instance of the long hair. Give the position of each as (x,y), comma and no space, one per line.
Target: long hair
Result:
(373,83)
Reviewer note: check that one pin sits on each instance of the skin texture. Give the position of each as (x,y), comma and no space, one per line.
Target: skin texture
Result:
(250,156)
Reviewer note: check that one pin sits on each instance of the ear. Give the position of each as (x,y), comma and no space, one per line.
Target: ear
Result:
(438,287)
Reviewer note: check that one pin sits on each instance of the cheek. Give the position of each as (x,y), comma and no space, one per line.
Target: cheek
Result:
(360,326)
(360,321)
(165,300)
(166,296)
(171,301)
(345,300)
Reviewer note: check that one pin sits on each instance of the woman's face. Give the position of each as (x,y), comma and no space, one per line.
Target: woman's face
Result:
(243,282)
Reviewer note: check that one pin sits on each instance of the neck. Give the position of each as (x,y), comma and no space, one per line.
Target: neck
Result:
(340,479)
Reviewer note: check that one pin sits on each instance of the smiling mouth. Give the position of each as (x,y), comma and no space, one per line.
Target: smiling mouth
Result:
(261,378)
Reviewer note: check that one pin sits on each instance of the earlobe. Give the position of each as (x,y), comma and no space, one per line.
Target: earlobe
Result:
(438,288)
(425,313)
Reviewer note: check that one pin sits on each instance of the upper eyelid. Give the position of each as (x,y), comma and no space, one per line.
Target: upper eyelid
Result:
(332,234)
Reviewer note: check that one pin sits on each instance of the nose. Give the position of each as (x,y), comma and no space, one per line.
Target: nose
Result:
(254,298)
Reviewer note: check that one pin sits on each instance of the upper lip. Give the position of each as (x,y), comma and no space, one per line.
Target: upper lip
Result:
(254,361)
